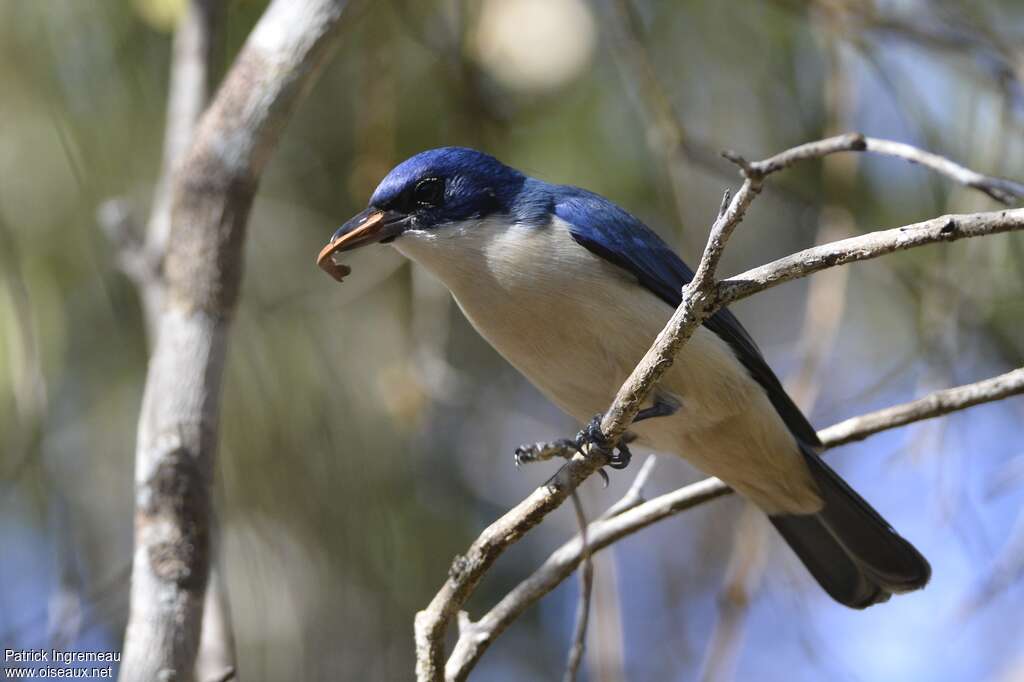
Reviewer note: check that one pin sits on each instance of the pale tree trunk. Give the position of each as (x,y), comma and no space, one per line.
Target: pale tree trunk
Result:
(211,194)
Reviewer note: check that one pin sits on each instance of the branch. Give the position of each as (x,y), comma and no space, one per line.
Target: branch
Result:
(603,532)
(932,405)
(697,305)
(1001,189)
(140,255)
(116,217)
(466,570)
(699,296)
(946,228)
(197,41)
(583,604)
(192,65)
(700,299)
(212,192)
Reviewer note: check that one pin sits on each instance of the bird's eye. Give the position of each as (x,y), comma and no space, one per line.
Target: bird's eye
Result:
(429,192)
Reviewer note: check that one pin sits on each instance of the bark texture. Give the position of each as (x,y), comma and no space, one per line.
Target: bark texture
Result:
(212,191)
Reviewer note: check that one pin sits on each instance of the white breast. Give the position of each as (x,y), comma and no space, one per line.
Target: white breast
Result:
(576,326)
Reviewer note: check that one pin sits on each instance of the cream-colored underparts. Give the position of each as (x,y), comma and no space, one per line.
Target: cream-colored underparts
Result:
(576,326)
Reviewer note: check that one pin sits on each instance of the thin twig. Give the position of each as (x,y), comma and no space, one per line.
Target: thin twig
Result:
(946,228)
(116,217)
(608,529)
(699,301)
(633,497)
(696,306)
(583,605)
(466,570)
(933,405)
(699,295)
(1003,190)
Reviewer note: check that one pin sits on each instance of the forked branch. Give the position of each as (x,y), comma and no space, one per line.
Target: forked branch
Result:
(700,299)
(611,528)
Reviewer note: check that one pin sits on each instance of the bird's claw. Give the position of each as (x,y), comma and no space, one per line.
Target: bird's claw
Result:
(618,454)
(620,460)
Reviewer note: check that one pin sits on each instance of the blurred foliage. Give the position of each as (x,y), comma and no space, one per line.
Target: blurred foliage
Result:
(367,431)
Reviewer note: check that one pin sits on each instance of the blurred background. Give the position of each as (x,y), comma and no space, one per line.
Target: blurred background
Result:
(368,432)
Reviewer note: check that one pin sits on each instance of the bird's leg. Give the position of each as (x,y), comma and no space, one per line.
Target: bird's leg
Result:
(660,408)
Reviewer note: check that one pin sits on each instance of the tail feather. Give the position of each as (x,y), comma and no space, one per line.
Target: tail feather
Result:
(853,553)
(828,562)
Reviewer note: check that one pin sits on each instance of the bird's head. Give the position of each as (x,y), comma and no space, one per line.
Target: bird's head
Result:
(426,193)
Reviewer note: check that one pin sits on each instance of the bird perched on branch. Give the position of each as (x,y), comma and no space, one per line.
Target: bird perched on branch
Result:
(572,290)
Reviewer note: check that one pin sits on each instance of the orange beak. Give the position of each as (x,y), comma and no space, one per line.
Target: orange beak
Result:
(343,240)
(326,262)
(369,227)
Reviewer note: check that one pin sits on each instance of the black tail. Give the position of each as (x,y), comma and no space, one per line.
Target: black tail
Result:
(851,551)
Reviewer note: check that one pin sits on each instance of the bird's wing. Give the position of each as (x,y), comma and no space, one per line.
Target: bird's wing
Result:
(613,234)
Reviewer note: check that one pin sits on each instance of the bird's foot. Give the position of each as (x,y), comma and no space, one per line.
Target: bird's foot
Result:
(589,441)
(618,454)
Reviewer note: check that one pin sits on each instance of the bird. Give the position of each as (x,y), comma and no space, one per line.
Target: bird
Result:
(571,290)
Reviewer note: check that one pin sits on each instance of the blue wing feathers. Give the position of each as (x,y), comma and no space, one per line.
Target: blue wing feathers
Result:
(613,234)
